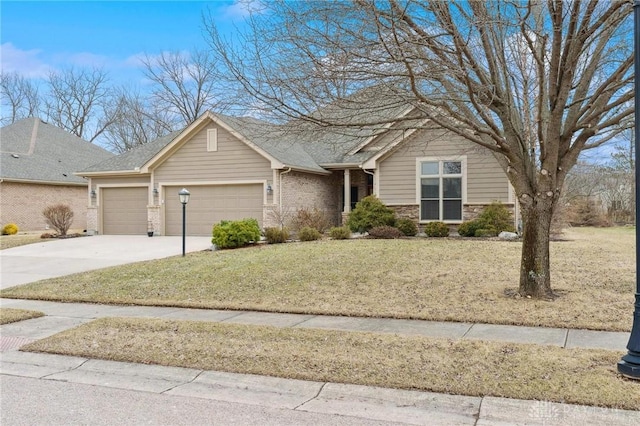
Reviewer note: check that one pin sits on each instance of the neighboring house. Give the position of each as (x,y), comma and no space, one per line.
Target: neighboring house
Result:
(242,167)
(37,168)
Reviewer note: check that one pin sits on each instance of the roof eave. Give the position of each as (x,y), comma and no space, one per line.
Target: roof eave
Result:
(43,182)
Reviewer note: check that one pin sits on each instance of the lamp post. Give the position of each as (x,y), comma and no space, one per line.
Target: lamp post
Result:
(184,199)
(629,365)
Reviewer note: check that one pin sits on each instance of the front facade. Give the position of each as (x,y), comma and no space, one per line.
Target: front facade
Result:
(235,171)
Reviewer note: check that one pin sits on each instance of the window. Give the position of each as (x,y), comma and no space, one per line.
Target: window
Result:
(440,189)
(212,139)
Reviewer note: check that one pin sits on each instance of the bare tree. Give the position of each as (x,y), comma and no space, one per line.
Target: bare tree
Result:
(20,98)
(184,83)
(534,82)
(135,121)
(77,101)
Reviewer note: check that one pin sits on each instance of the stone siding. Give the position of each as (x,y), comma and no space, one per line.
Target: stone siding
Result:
(308,191)
(472,211)
(22,204)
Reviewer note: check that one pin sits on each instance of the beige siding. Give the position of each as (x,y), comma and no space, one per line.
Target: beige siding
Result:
(486,181)
(233,160)
(122,181)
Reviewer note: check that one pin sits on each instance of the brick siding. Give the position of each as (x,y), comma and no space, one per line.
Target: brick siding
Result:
(22,204)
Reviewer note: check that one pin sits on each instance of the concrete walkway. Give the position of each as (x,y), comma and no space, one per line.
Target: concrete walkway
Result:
(359,402)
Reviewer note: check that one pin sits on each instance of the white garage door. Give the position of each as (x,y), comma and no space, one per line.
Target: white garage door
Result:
(124,211)
(211,204)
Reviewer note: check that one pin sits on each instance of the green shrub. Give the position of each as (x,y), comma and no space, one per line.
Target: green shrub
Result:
(493,219)
(486,232)
(436,229)
(340,233)
(316,219)
(497,216)
(469,228)
(235,233)
(309,234)
(370,212)
(385,232)
(407,227)
(276,235)
(10,229)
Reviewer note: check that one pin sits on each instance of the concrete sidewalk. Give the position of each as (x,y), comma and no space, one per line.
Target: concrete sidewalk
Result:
(360,402)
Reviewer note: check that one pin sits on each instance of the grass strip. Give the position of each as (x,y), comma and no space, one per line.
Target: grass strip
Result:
(9,315)
(429,278)
(473,368)
(10,241)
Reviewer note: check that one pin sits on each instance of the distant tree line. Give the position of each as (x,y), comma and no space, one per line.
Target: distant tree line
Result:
(88,104)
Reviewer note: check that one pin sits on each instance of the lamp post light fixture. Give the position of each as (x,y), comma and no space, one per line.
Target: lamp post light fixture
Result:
(184,199)
(629,365)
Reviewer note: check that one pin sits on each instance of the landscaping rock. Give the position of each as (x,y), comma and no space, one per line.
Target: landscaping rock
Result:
(504,235)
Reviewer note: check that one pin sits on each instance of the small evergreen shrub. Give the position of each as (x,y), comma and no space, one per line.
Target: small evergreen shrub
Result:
(235,233)
(486,232)
(385,232)
(316,219)
(493,219)
(436,229)
(497,216)
(10,229)
(276,235)
(309,234)
(369,213)
(469,228)
(407,227)
(340,233)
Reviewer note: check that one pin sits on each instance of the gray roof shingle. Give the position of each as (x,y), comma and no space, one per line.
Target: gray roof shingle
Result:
(32,150)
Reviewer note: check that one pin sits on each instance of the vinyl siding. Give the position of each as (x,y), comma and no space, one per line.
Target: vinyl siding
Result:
(233,160)
(486,180)
(114,181)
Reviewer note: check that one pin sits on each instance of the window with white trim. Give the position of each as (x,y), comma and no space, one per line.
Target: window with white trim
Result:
(212,139)
(441,189)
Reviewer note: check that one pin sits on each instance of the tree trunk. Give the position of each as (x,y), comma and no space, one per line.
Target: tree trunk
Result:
(535,278)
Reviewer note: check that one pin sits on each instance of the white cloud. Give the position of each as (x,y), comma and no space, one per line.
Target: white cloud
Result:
(25,62)
(241,8)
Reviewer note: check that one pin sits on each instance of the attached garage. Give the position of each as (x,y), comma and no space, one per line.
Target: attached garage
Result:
(124,210)
(211,204)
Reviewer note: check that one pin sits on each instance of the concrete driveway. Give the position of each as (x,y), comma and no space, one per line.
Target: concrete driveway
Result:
(33,262)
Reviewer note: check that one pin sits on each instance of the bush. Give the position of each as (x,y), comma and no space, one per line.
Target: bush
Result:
(385,232)
(493,219)
(436,229)
(316,219)
(59,217)
(309,234)
(486,232)
(340,233)
(369,213)
(498,217)
(407,227)
(10,229)
(235,233)
(469,228)
(276,235)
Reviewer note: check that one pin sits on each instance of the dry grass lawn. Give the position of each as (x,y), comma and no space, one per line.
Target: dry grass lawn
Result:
(593,271)
(10,241)
(457,367)
(8,315)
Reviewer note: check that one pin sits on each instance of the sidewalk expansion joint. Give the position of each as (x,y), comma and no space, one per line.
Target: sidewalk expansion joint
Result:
(185,383)
(312,398)
(467,332)
(566,338)
(302,322)
(477,415)
(46,377)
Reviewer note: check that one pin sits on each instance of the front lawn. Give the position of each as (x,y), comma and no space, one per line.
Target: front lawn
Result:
(593,271)
(9,315)
(10,241)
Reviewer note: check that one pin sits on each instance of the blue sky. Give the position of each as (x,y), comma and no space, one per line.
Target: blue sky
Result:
(39,36)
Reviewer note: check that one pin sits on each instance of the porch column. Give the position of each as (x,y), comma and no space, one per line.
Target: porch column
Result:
(347,191)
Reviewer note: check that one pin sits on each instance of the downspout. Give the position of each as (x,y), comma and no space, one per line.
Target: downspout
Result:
(373,175)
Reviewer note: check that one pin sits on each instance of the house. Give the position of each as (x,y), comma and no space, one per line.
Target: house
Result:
(37,163)
(236,168)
